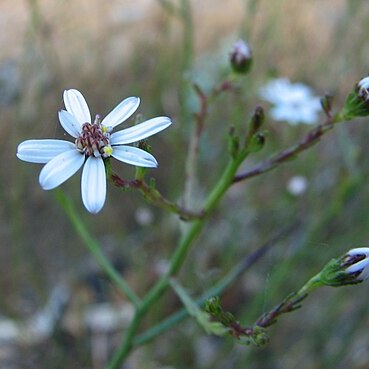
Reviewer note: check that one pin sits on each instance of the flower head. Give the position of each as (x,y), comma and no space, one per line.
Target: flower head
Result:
(293,102)
(351,268)
(362,89)
(357,101)
(94,141)
(356,262)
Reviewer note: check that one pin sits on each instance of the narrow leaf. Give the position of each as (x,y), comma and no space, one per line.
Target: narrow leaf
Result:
(203,318)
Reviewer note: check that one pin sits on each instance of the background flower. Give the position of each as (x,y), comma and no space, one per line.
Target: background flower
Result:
(293,102)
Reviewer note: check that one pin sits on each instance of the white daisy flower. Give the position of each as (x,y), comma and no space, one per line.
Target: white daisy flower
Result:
(93,142)
(293,102)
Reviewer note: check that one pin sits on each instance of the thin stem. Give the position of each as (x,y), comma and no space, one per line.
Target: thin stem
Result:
(233,275)
(310,285)
(265,166)
(193,147)
(290,303)
(177,260)
(153,196)
(191,164)
(188,32)
(94,247)
(169,7)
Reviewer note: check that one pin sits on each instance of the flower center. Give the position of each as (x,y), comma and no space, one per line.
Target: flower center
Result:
(93,140)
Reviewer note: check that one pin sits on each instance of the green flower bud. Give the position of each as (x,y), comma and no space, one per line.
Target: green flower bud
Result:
(214,308)
(357,102)
(255,138)
(326,102)
(256,142)
(351,268)
(257,119)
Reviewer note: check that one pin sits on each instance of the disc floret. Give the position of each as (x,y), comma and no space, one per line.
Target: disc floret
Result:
(94,140)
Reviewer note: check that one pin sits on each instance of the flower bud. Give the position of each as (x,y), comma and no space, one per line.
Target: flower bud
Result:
(357,102)
(257,119)
(357,263)
(351,268)
(326,101)
(214,308)
(362,89)
(241,57)
(256,142)
(255,138)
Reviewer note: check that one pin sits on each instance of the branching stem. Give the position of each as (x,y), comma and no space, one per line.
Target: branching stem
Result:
(309,140)
(177,260)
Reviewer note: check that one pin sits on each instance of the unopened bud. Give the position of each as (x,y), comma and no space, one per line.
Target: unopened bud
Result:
(256,142)
(257,119)
(326,102)
(357,102)
(362,89)
(357,263)
(351,268)
(214,308)
(241,57)
(255,139)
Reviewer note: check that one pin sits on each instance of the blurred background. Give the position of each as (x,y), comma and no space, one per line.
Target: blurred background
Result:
(156,49)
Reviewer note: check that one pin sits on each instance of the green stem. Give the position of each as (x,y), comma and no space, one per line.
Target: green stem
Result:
(233,275)
(153,196)
(175,318)
(310,285)
(290,303)
(310,139)
(177,259)
(94,247)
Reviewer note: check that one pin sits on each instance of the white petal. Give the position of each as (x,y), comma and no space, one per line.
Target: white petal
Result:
(359,251)
(70,123)
(42,151)
(59,169)
(361,266)
(93,184)
(134,156)
(364,83)
(77,106)
(121,112)
(140,131)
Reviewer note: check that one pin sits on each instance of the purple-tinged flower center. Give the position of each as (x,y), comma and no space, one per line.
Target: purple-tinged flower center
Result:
(93,140)
(352,259)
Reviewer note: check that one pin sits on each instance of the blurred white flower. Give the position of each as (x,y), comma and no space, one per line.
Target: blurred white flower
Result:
(297,185)
(93,142)
(144,216)
(358,259)
(105,317)
(293,102)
